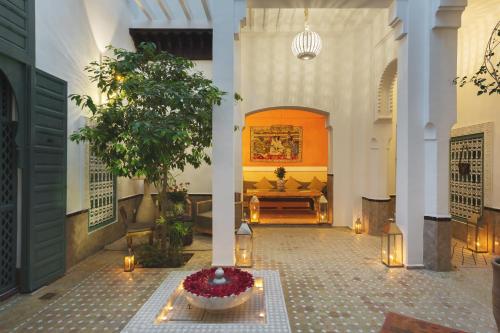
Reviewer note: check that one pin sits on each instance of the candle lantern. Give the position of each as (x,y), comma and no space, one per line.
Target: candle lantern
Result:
(392,245)
(254,209)
(244,245)
(358,226)
(129,262)
(477,234)
(323,210)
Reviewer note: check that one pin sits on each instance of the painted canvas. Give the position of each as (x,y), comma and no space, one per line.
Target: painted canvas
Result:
(278,143)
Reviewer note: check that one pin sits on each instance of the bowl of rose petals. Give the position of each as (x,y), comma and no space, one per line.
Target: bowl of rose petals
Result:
(218,289)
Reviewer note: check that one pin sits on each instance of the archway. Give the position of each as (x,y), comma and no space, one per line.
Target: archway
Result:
(298,139)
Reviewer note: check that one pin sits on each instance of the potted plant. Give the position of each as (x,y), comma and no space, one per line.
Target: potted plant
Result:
(156,117)
(280,173)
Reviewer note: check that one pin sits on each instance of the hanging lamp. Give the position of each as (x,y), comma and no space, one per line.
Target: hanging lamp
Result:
(306,45)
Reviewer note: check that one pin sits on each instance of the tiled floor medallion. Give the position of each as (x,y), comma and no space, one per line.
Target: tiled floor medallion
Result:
(168,310)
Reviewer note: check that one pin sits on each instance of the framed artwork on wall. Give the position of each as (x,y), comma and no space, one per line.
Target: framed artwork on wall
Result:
(276,143)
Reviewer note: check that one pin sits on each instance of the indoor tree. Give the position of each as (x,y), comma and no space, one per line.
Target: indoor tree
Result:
(155,117)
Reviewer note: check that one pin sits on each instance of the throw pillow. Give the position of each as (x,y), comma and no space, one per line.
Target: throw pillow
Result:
(316,185)
(263,184)
(292,184)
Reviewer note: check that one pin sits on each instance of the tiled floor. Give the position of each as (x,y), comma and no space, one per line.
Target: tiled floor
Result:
(332,280)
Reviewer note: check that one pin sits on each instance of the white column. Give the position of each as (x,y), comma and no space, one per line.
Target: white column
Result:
(441,111)
(409,19)
(238,122)
(223,136)
(426,30)
(226,22)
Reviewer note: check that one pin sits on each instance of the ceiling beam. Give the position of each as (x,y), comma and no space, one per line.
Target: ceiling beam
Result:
(264,20)
(278,19)
(165,9)
(144,9)
(319,3)
(185,9)
(206,8)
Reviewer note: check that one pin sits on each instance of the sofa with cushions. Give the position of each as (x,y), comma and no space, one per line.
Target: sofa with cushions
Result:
(297,194)
(291,184)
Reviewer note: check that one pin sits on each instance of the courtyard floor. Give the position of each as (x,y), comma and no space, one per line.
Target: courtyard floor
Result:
(333,281)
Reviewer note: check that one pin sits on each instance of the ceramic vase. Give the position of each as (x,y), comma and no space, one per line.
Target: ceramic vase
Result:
(147,211)
(280,185)
(496,290)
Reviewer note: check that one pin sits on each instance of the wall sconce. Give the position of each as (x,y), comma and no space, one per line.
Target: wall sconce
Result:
(477,234)
(358,226)
(323,210)
(244,245)
(129,262)
(392,245)
(254,210)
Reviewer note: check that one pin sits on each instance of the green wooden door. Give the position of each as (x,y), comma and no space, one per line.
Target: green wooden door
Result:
(47,180)
(8,190)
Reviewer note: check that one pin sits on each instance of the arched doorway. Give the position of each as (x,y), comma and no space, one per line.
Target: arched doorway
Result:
(8,191)
(297,139)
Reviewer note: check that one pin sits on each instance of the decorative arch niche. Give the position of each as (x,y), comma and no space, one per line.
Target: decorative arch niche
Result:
(386,92)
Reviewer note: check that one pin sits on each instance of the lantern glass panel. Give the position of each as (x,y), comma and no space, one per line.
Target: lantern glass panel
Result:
(323,210)
(392,246)
(477,238)
(129,263)
(358,227)
(244,249)
(254,210)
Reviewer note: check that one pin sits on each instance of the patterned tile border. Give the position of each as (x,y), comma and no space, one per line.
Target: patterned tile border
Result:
(276,313)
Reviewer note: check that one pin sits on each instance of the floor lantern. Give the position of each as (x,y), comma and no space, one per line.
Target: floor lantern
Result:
(244,245)
(254,209)
(358,226)
(323,210)
(129,261)
(392,245)
(477,234)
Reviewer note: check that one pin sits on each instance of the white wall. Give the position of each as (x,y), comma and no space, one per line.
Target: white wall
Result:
(200,179)
(340,81)
(473,109)
(69,35)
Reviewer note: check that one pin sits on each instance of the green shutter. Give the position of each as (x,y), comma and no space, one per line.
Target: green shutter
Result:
(17,26)
(47,180)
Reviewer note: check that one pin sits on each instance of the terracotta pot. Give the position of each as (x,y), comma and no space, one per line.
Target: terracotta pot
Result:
(496,290)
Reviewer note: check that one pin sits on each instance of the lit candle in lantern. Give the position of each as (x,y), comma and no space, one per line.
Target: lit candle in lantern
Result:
(129,262)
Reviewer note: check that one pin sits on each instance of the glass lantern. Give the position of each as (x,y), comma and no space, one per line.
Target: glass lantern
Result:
(392,245)
(129,262)
(358,226)
(244,245)
(323,210)
(254,210)
(477,234)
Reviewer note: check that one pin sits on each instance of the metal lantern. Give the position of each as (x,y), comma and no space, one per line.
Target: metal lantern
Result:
(306,45)
(244,245)
(323,210)
(358,226)
(477,234)
(254,209)
(129,262)
(392,245)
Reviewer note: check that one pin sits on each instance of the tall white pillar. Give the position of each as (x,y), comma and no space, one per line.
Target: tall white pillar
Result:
(223,136)
(409,20)
(426,30)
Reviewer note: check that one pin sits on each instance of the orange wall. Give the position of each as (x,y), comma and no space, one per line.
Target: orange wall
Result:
(314,135)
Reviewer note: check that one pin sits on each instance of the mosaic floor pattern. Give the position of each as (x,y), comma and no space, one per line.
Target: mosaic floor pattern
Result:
(332,282)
